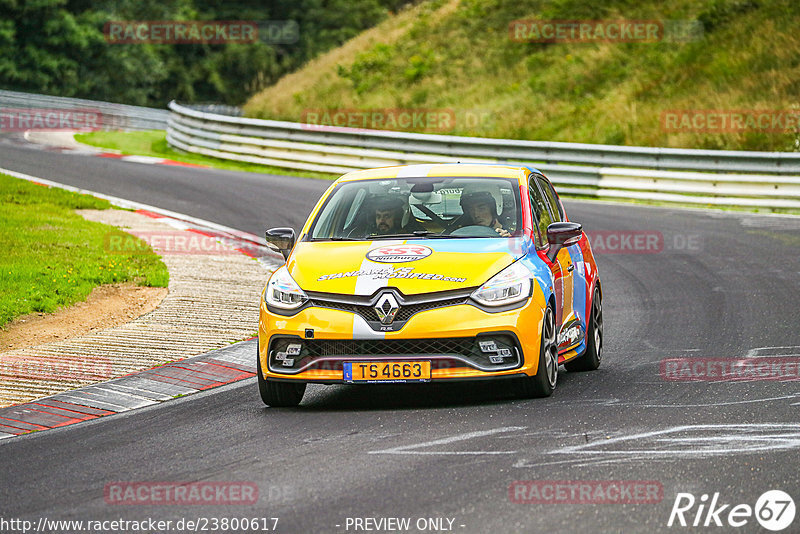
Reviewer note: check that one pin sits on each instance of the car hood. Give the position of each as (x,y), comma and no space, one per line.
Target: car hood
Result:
(413,267)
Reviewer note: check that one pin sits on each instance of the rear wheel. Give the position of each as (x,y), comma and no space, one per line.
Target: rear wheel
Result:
(590,359)
(278,394)
(544,381)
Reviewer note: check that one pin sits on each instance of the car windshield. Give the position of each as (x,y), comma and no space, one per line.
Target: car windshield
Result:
(423,208)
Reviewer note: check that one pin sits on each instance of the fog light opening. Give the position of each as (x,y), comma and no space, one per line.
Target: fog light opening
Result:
(488,346)
(496,351)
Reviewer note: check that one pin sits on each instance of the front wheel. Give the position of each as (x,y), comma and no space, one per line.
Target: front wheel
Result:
(590,359)
(278,394)
(544,381)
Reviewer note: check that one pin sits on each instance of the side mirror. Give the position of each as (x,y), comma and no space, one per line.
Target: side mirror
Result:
(280,240)
(562,234)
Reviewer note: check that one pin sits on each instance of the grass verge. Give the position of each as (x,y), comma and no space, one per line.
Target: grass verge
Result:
(154,143)
(52,257)
(458,57)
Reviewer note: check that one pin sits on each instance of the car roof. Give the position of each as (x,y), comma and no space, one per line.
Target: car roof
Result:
(440,169)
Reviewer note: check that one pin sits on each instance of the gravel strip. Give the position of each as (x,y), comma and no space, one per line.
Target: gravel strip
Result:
(213,300)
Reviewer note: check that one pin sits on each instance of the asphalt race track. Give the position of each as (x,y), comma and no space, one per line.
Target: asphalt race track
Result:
(256,202)
(720,285)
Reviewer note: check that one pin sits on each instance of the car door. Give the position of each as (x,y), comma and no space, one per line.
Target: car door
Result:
(543,218)
(567,270)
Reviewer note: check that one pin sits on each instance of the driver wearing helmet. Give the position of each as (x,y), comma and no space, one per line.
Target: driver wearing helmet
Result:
(389,212)
(480,209)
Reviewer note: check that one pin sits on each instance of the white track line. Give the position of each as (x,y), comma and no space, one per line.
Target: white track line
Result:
(411,449)
(129,204)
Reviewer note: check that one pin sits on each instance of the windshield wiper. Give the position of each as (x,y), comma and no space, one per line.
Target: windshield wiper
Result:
(424,234)
(415,233)
(440,235)
(421,234)
(432,235)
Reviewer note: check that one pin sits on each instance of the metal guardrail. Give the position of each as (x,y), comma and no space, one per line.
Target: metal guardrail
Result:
(114,116)
(759,179)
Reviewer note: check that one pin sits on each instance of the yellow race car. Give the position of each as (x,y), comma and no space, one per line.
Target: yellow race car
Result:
(428,273)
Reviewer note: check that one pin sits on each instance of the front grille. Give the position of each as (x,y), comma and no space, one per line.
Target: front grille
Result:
(364,311)
(328,353)
(404,314)
(388,347)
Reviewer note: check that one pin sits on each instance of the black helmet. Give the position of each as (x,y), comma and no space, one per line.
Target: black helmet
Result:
(389,202)
(478,197)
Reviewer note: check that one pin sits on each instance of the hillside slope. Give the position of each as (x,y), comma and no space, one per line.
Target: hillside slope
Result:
(458,57)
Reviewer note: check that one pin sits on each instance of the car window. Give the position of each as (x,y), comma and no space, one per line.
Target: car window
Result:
(338,208)
(358,202)
(550,195)
(541,213)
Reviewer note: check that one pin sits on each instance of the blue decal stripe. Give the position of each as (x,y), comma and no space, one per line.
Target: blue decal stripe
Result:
(578,284)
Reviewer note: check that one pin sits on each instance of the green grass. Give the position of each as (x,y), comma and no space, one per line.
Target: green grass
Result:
(154,143)
(52,257)
(458,55)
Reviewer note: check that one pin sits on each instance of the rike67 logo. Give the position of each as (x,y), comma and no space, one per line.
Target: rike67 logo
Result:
(774,510)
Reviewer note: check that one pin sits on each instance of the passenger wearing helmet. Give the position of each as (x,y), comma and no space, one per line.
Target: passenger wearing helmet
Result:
(480,208)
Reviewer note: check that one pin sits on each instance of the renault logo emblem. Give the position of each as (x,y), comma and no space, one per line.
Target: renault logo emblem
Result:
(386,308)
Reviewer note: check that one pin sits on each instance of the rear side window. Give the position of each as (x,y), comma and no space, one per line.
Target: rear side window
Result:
(550,195)
(541,213)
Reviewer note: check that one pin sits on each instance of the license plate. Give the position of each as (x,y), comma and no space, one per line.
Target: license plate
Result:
(387,371)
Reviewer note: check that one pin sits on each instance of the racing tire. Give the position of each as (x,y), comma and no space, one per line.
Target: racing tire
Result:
(593,355)
(544,381)
(278,394)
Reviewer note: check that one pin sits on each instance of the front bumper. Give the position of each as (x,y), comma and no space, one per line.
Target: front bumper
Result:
(448,336)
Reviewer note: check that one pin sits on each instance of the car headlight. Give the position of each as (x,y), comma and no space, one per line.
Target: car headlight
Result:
(283,292)
(510,285)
